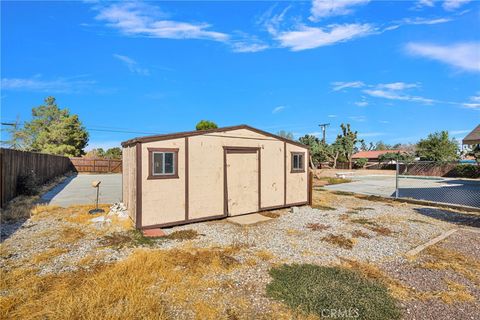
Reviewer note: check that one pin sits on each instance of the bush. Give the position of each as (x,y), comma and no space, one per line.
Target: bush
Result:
(361,163)
(465,171)
(331,292)
(27,184)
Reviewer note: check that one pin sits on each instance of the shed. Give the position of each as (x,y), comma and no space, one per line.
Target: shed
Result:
(186,177)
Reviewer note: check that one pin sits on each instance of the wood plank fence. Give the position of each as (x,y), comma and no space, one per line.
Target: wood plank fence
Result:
(14,163)
(91,165)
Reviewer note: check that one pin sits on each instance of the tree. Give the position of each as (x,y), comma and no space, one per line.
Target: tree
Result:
(334,151)
(206,125)
(361,162)
(380,146)
(285,134)
(55,131)
(438,147)
(348,140)
(475,152)
(113,153)
(16,135)
(318,152)
(95,153)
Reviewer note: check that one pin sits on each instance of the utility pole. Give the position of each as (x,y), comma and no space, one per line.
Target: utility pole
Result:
(324,129)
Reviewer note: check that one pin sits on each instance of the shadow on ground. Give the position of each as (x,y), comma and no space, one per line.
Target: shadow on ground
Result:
(470,220)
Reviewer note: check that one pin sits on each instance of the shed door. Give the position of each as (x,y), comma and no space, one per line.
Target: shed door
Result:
(242,182)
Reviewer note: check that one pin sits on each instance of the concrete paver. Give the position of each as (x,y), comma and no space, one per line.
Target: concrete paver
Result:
(248,219)
(78,190)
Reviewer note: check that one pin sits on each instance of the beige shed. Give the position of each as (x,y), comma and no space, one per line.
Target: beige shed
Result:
(185,177)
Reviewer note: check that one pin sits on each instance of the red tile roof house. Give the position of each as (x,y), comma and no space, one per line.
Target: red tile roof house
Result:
(372,156)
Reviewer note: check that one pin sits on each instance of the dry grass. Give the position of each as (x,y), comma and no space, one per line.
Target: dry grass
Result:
(317,226)
(71,234)
(363,221)
(380,230)
(362,208)
(322,207)
(439,258)
(270,214)
(21,206)
(264,255)
(182,235)
(293,232)
(360,234)
(48,255)
(137,288)
(339,240)
(116,239)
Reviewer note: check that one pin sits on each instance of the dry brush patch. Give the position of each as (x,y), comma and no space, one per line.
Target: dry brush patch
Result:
(339,240)
(317,226)
(144,286)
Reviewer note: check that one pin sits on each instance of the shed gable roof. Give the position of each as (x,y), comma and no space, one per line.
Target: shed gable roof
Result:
(177,135)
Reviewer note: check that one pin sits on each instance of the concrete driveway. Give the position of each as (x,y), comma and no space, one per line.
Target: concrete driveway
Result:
(78,190)
(444,190)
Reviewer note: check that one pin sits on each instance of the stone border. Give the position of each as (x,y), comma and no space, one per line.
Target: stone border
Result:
(435,240)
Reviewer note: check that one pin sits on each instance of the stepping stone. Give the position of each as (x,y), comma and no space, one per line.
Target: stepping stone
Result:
(153,233)
(248,219)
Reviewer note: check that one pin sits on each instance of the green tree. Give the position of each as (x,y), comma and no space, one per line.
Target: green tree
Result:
(348,140)
(318,149)
(205,125)
(381,146)
(16,135)
(334,151)
(438,147)
(285,134)
(113,153)
(55,131)
(361,162)
(96,153)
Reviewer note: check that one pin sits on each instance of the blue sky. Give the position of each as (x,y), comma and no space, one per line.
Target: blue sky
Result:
(395,70)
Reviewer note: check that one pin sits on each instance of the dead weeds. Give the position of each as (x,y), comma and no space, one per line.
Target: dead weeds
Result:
(317,226)
(360,234)
(339,240)
(181,235)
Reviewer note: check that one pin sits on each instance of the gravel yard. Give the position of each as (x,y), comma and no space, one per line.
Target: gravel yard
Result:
(337,230)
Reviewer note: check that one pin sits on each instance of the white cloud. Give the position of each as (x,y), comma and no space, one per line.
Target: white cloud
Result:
(384,121)
(328,8)
(420,21)
(242,46)
(139,19)
(58,85)
(358,118)
(457,132)
(332,116)
(474,103)
(305,37)
(465,55)
(397,85)
(424,3)
(361,103)
(278,109)
(393,95)
(132,65)
(337,86)
(451,5)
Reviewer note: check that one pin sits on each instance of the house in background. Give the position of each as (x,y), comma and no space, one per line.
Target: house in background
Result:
(179,178)
(373,155)
(473,138)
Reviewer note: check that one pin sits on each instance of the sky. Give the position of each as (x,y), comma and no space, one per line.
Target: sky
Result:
(395,70)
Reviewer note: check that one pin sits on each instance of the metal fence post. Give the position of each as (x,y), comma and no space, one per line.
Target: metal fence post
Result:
(396,178)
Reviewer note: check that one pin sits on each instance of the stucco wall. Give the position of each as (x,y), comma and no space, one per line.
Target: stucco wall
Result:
(164,200)
(297,190)
(129,179)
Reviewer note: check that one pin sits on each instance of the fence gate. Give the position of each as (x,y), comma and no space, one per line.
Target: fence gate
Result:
(97,165)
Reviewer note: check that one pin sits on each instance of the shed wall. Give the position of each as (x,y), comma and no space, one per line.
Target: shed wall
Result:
(164,201)
(129,179)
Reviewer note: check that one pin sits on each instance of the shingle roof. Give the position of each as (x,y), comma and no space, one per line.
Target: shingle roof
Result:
(372,154)
(473,137)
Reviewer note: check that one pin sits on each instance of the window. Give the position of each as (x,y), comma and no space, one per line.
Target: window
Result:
(162,163)
(298,162)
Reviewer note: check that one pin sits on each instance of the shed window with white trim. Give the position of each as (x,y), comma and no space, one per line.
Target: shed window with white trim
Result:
(298,162)
(163,163)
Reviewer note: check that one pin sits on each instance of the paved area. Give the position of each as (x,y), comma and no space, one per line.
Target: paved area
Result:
(444,190)
(248,219)
(78,190)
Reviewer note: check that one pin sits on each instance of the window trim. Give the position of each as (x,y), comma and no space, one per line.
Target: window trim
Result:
(292,155)
(151,152)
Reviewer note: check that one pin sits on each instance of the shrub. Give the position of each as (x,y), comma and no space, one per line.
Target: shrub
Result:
(361,163)
(27,184)
(324,291)
(465,171)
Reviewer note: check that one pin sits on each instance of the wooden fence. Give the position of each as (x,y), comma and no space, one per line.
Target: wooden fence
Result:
(97,165)
(14,163)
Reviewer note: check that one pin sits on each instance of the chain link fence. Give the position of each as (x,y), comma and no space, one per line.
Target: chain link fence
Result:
(433,187)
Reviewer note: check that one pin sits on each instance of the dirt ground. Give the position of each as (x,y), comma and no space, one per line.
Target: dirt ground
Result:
(59,264)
